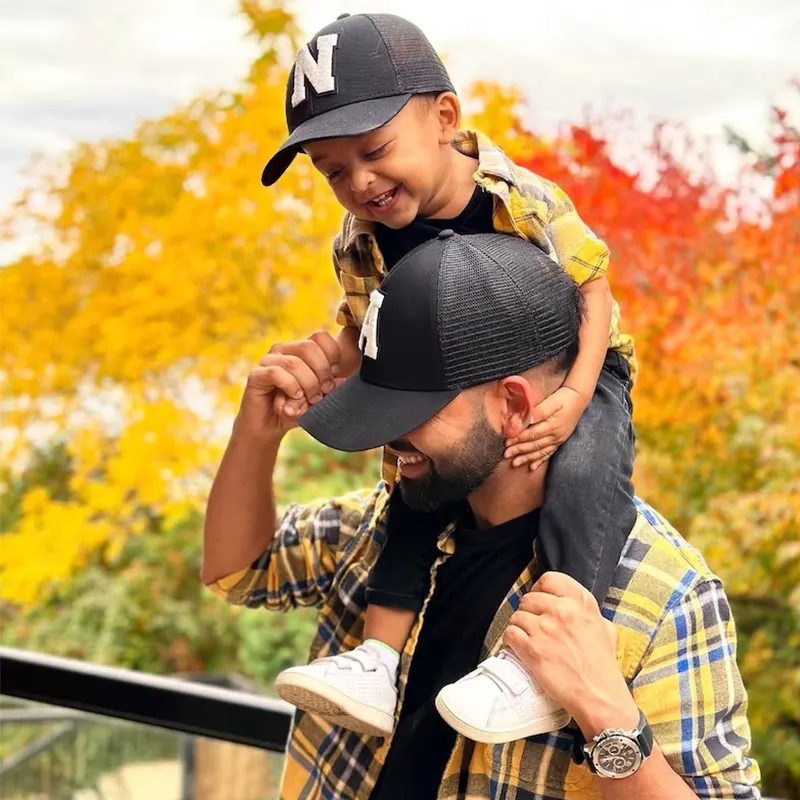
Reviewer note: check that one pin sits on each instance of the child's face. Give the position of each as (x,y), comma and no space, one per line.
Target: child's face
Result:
(397,172)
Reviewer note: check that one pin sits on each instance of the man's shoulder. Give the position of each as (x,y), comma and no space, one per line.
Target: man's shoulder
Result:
(356,510)
(655,542)
(658,570)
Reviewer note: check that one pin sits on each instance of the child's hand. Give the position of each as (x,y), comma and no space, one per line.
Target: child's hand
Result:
(554,420)
(315,364)
(330,361)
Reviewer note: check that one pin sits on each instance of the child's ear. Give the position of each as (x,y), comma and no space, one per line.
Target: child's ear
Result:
(448,108)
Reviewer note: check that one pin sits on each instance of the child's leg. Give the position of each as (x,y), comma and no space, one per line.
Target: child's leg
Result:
(357,689)
(587,516)
(391,626)
(399,581)
(588,510)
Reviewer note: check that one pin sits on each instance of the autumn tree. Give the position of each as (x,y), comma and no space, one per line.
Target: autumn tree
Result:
(707,282)
(163,270)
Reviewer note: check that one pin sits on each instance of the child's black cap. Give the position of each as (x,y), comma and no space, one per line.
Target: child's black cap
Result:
(455,312)
(354,76)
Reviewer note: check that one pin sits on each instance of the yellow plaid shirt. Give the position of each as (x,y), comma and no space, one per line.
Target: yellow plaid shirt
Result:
(525,205)
(676,648)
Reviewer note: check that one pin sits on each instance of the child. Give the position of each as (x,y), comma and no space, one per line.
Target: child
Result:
(370,102)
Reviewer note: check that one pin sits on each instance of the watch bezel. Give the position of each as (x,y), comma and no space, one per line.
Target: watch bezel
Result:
(609,738)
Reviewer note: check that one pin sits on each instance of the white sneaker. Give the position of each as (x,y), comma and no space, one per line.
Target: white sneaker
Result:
(354,690)
(499,702)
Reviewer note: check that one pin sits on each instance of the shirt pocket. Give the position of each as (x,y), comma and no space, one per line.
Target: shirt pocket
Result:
(541,765)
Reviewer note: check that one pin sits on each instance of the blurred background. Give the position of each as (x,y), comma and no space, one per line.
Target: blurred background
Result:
(144,269)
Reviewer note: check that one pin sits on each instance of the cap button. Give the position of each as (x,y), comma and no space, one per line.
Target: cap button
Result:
(342,16)
(446,234)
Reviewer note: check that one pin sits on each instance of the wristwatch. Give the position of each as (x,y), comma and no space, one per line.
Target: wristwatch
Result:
(616,752)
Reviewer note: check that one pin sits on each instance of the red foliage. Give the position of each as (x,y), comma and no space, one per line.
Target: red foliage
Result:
(707,282)
(685,250)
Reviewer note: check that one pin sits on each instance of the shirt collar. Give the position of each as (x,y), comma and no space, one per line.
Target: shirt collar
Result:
(353,229)
(493,163)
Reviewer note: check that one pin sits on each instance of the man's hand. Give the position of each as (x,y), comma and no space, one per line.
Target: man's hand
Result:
(554,419)
(560,635)
(286,382)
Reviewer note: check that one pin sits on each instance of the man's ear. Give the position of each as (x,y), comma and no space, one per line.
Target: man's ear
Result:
(518,401)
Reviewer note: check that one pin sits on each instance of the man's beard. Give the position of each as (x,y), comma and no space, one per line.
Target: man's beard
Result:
(464,469)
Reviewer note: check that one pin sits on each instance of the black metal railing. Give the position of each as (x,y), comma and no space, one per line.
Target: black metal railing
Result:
(67,725)
(180,705)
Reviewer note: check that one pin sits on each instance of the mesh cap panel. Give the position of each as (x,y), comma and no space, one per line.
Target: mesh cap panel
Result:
(522,315)
(416,64)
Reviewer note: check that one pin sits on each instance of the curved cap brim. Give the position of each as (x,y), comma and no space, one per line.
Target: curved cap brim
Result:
(349,120)
(362,416)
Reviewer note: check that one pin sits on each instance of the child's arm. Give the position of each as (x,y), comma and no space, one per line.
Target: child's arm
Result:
(593,339)
(557,415)
(348,336)
(346,359)
(350,359)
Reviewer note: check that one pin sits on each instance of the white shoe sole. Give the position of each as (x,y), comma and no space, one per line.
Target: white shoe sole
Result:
(546,724)
(320,698)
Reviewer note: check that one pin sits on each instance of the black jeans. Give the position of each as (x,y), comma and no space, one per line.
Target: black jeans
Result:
(586,518)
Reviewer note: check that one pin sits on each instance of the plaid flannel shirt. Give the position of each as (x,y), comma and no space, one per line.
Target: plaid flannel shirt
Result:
(525,205)
(676,648)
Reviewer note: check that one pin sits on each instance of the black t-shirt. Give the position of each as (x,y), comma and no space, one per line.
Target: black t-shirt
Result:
(470,587)
(475,218)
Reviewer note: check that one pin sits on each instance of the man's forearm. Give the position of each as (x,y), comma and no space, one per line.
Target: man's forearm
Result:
(593,339)
(655,780)
(240,517)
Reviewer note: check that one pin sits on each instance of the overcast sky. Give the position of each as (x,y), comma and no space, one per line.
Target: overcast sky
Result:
(80,69)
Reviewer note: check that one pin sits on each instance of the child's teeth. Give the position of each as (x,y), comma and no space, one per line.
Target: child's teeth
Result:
(383,199)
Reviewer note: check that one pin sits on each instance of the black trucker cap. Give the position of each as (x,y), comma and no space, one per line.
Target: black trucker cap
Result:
(354,76)
(455,312)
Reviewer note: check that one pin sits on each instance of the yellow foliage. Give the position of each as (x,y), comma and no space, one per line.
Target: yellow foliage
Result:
(45,548)
(499,116)
(164,272)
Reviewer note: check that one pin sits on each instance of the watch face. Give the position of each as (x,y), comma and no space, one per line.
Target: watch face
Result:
(616,757)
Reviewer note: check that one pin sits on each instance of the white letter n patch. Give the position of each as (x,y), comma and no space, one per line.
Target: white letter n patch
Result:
(319,73)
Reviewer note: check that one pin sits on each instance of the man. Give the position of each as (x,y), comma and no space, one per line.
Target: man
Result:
(651,683)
